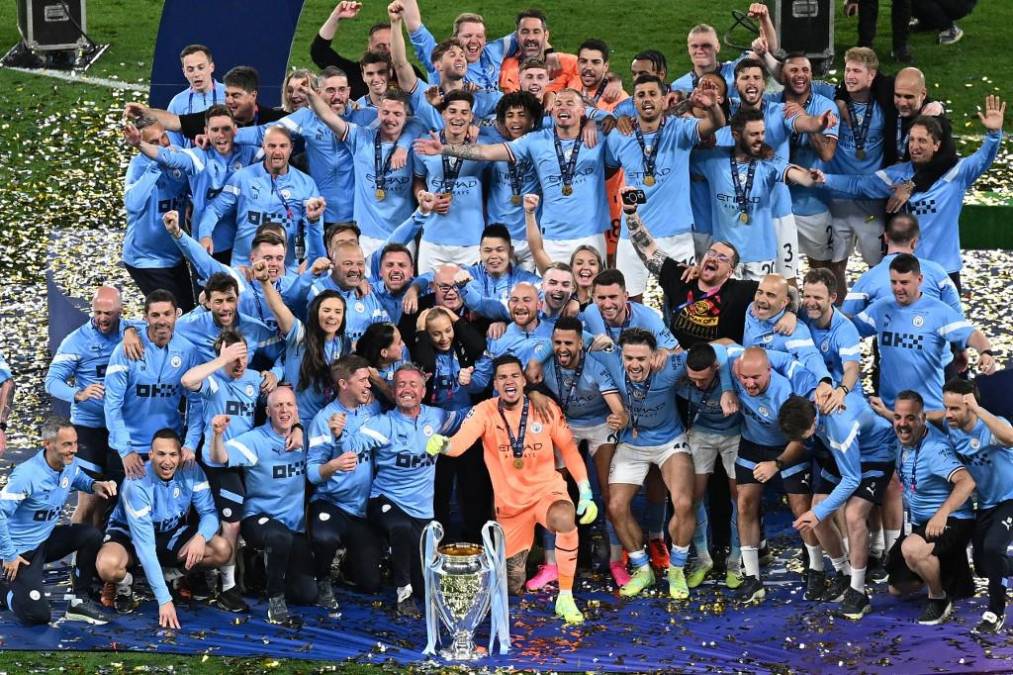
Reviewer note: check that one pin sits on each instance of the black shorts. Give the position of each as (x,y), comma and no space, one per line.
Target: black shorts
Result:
(227,488)
(796,478)
(94,455)
(167,545)
(875,479)
(950,548)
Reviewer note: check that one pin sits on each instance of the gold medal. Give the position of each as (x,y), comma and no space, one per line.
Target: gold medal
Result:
(743,217)
(567,190)
(380,194)
(634,433)
(649,180)
(515,200)
(518,462)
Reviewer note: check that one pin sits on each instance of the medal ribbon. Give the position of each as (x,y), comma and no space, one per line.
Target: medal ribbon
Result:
(861,133)
(516,442)
(565,401)
(284,202)
(515,180)
(451,168)
(742,193)
(650,156)
(566,169)
(637,392)
(380,165)
(796,136)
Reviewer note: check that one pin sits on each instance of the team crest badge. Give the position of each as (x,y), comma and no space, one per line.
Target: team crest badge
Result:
(975,443)
(763,411)
(65,482)
(286,193)
(359,307)
(536,428)
(175,492)
(768,338)
(427,430)
(237,166)
(825,346)
(249,390)
(175,361)
(918,321)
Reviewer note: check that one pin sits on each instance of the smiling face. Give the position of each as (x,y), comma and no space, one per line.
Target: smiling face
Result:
(750,140)
(221,131)
(585,268)
(906,286)
(393,116)
(523,304)
(592,65)
(649,100)
(441,332)
(452,64)
(330,314)
(817,301)
(568,111)
(273,255)
(532,36)
(568,346)
(165,457)
(750,85)
(798,75)
(857,76)
(293,93)
(336,91)
(198,70)
(106,308)
(921,145)
(471,34)
(637,361)
(717,264)
(241,103)
(557,289)
(396,270)
(770,298)
(508,381)
(358,386)
(409,390)
(611,302)
(908,421)
(495,253)
(281,409)
(534,81)
(754,372)
(349,266)
(376,76)
(61,450)
(277,149)
(517,121)
(445,291)
(161,319)
(457,117)
(223,306)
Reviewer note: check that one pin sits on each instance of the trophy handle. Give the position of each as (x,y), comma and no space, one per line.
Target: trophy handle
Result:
(432,535)
(494,541)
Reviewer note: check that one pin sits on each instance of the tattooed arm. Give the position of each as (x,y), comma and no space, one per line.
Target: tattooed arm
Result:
(498,152)
(652,256)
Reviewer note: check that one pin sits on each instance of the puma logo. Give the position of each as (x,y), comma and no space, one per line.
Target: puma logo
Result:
(1008,523)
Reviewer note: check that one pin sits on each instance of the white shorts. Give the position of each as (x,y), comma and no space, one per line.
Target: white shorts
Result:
(678,247)
(522,255)
(596,436)
(707,445)
(432,256)
(370,245)
(560,250)
(815,236)
(755,271)
(786,231)
(861,221)
(630,463)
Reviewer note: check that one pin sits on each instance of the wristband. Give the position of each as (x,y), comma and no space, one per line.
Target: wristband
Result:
(986,351)
(779,464)
(299,426)
(826,380)
(845,388)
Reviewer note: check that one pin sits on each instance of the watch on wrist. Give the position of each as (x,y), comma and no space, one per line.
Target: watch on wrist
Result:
(299,426)
(779,464)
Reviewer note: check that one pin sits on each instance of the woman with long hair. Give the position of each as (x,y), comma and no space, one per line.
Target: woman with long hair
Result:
(382,346)
(310,348)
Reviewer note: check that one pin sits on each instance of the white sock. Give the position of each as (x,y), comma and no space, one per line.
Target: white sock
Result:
(877,543)
(228,576)
(171,574)
(123,587)
(815,557)
(404,592)
(751,561)
(841,564)
(890,537)
(858,579)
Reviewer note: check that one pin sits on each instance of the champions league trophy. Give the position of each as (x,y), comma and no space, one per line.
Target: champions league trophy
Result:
(462,582)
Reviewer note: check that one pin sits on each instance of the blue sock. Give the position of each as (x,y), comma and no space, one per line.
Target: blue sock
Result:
(679,555)
(700,534)
(548,541)
(654,515)
(611,532)
(639,558)
(735,543)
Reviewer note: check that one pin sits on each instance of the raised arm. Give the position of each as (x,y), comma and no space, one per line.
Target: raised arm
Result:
(715,118)
(336,123)
(652,256)
(194,378)
(758,12)
(167,119)
(406,78)
(535,243)
(282,314)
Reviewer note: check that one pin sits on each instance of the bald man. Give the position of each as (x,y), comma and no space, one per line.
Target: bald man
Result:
(82,359)
(910,97)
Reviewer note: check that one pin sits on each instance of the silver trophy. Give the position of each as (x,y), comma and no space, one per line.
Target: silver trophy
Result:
(463,581)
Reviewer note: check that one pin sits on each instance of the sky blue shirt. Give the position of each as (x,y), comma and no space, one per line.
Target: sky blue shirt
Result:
(235,397)
(377,218)
(308,398)
(687,83)
(208,171)
(874,284)
(82,356)
(637,316)
(404,471)
(914,345)
(925,473)
(150,509)
(810,201)
(150,191)
(201,329)
(348,490)
(522,343)
(759,413)
(761,333)
(360,313)
(705,411)
(990,462)
(32,501)
(755,240)
(584,397)
(275,477)
(499,187)
(484,72)
(938,209)
(462,225)
(254,198)
(845,159)
(143,396)
(584,213)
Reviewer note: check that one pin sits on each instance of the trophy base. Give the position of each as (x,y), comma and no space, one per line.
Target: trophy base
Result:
(457,652)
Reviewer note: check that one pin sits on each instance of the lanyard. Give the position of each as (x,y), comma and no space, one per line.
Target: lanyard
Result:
(214,99)
(451,379)
(380,165)
(914,465)
(637,392)
(796,136)
(564,401)
(742,193)
(650,156)
(516,442)
(861,132)
(284,202)
(901,138)
(515,183)
(566,169)
(451,168)
(601,90)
